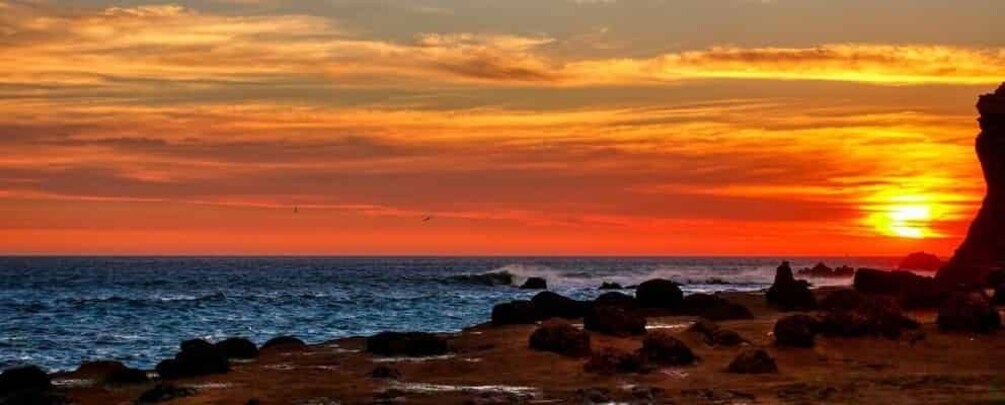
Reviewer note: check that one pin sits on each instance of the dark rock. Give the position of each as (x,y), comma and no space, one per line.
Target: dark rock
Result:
(851,315)
(520,312)
(486,279)
(790,294)
(753,361)
(616,299)
(703,327)
(968,312)
(594,396)
(664,349)
(984,247)
(796,331)
(610,286)
(921,261)
(284,343)
(725,338)
(559,336)
(615,361)
(384,373)
(551,305)
(996,277)
(111,372)
(999,298)
(715,308)
(615,321)
(164,393)
(823,271)
(238,348)
(535,283)
(20,381)
(196,358)
(410,344)
(909,289)
(844,299)
(659,293)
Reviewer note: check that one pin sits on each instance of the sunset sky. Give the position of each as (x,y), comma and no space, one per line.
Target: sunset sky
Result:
(669,127)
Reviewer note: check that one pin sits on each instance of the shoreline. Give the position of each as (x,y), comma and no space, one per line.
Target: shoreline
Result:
(492,364)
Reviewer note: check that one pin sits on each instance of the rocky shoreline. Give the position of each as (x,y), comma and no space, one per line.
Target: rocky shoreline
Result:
(893,337)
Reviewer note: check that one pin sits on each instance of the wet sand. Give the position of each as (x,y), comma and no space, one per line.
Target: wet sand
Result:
(493,365)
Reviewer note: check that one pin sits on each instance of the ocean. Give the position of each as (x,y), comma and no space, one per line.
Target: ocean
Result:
(60,311)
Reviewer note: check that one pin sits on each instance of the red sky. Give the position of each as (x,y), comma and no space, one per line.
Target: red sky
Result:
(197,127)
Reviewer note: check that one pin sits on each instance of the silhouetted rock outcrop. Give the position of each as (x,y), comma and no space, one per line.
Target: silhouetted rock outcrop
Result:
(796,331)
(853,314)
(968,312)
(411,344)
(238,348)
(615,321)
(909,289)
(921,261)
(551,305)
(664,349)
(535,283)
(517,312)
(984,247)
(196,358)
(790,294)
(559,336)
(284,343)
(659,293)
(610,286)
(616,299)
(822,270)
(111,372)
(753,361)
(25,385)
(615,361)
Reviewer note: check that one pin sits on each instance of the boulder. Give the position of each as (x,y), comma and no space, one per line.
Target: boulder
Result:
(615,361)
(999,297)
(407,344)
(196,358)
(659,293)
(615,321)
(616,299)
(921,261)
(844,299)
(858,315)
(535,283)
(284,343)
(703,327)
(20,380)
(753,361)
(164,393)
(111,372)
(796,331)
(519,312)
(551,305)
(238,348)
(610,286)
(664,349)
(909,289)
(715,308)
(789,294)
(823,271)
(559,336)
(968,312)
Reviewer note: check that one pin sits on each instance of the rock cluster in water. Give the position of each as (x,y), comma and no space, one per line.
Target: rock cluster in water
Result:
(983,250)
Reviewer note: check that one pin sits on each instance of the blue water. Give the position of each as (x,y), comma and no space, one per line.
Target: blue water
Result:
(58,311)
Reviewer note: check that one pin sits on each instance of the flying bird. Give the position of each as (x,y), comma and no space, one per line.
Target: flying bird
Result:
(427,219)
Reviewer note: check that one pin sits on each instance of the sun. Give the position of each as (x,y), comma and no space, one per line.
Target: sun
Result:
(908,217)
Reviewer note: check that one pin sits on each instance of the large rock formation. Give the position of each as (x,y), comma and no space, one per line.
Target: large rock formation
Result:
(984,247)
